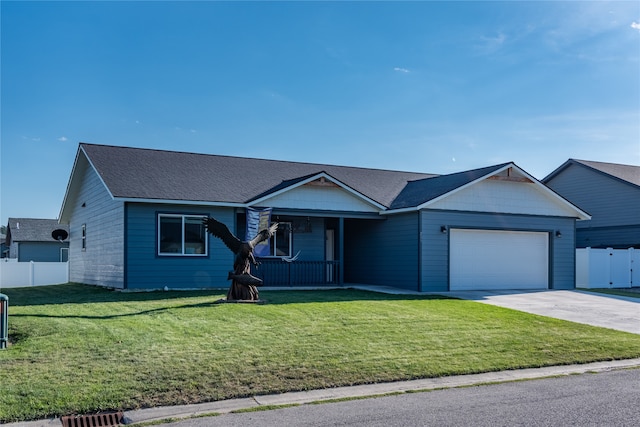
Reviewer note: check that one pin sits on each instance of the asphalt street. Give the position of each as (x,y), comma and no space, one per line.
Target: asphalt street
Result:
(592,399)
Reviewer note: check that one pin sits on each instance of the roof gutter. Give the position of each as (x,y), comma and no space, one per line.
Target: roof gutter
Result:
(399,211)
(181,202)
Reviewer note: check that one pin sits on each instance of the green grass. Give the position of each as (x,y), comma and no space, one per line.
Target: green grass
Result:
(80,349)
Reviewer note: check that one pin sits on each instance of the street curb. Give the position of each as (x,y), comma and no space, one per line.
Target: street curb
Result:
(359,391)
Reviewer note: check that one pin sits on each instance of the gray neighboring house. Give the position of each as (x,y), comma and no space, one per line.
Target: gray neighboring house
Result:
(135,220)
(29,239)
(4,249)
(610,193)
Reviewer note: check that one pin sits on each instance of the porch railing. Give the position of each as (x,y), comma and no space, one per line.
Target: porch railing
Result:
(276,272)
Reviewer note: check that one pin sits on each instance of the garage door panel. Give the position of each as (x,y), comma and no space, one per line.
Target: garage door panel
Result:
(490,259)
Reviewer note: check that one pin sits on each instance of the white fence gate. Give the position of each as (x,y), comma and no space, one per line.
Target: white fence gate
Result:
(607,268)
(15,274)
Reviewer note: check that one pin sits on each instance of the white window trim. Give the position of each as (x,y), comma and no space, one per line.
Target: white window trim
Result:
(290,242)
(183,254)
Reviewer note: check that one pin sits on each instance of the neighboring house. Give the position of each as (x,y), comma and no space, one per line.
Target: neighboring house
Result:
(610,193)
(29,239)
(4,249)
(135,217)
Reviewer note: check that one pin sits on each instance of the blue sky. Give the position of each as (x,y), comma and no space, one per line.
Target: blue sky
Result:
(434,87)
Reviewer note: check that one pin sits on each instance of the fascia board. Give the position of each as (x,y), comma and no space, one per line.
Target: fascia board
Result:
(558,170)
(68,190)
(73,180)
(312,178)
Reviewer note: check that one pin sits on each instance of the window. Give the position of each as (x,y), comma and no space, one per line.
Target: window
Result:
(181,235)
(84,237)
(281,242)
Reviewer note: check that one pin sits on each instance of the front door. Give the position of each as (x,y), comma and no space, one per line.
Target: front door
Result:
(330,253)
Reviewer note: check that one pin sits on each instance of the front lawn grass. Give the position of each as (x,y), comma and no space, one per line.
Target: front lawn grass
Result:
(81,349)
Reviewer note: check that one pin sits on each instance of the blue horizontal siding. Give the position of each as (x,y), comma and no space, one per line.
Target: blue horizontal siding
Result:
(147,270)
(311,244)
(609,237)
(40,251)
(382,252)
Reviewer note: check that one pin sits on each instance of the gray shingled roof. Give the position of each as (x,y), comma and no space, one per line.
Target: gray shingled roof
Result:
(169,175)
(627,173)
(138,173)
(33,229)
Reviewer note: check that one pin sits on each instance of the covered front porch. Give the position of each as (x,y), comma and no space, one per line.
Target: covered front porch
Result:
(308,248)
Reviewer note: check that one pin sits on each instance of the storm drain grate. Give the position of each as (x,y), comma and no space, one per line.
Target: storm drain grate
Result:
(105,419)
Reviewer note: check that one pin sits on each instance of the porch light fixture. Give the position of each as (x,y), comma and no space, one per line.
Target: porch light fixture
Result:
(443,228)
(558,234)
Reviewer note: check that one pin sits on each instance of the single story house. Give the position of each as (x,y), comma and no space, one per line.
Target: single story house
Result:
(30,239)
(610,192)
(135,221)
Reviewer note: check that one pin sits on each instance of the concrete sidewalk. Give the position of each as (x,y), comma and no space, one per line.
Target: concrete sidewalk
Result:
(368,390)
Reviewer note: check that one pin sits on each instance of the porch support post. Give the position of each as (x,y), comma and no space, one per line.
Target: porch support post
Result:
(341,250)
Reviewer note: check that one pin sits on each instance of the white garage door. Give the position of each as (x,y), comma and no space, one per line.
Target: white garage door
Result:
(488,259)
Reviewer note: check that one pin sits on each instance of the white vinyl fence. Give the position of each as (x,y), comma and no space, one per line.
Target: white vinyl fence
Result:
(15,274)
(607,268)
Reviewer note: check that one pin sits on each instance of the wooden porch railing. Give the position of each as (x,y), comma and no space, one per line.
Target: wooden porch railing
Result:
(276,272)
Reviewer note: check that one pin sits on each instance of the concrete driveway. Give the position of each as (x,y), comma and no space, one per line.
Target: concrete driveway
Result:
(608,311)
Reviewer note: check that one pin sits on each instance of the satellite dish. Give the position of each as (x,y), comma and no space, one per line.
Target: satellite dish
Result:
(59,234)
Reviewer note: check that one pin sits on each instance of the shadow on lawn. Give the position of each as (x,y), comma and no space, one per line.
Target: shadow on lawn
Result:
(339,295)
(116,316)
(75,293)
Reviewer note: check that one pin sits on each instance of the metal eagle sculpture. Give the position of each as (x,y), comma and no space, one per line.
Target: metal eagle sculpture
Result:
(243,285)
